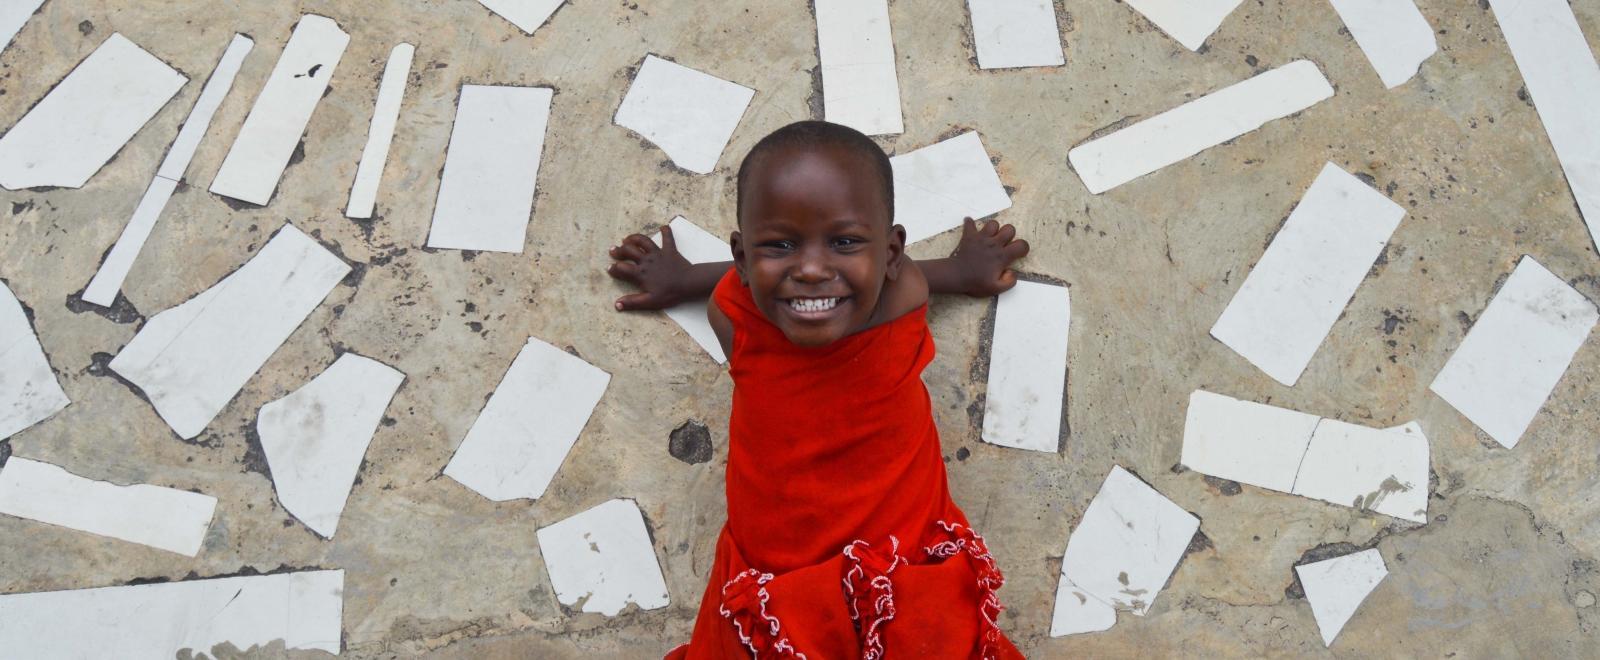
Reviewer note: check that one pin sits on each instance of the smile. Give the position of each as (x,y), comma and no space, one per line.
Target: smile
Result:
(813,305)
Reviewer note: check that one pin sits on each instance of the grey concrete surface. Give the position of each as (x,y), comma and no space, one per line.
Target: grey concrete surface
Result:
(1506,567)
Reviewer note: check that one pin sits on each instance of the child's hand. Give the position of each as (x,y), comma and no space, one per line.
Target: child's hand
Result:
(660,271)
(984,256)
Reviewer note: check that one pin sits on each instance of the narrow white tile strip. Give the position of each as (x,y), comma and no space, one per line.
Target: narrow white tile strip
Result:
(1291,299)
(491,168)
(1393,33)
(860,88)
(29,392)
(13,15)
(192,359)
(165,518)
(267,140)
(1127,545)
(1028,367)
(529,424)
(1243,441)
(315,437)
(1188,21)
(176,163)
(935,187)
(604,558)
(303,609)
(1015,33)
(1188,129)
(1336,587)
(1077,612)
(385,114)
(527,15)
(87,118)
(698,246)
(1385,471)
(1516,352)
(689,114)
(1564,81)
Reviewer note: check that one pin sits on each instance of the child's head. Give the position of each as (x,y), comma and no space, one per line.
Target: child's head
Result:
(817,239)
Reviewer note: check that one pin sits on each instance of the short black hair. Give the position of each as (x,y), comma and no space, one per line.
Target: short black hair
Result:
(813,133)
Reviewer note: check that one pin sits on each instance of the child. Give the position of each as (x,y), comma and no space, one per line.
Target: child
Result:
(841,538)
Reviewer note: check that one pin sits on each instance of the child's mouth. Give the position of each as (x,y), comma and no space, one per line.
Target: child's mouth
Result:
(814,308)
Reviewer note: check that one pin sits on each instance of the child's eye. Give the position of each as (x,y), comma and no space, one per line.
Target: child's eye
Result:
(847,242)
(778,245)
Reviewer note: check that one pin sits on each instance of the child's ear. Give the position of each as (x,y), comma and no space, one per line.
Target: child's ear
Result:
(897,252)
(736,243)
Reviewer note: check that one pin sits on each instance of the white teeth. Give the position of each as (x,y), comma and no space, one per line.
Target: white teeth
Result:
(813,304)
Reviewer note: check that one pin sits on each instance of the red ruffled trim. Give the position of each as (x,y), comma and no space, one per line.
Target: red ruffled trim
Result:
(868,590)
(963,539)
(744,602)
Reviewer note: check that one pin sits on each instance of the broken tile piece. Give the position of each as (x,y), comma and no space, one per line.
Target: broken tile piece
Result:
(1244,441)
(1027,368)
(29,392)
(1336,587)
(1395,37)
(529,424)
(698,246)
(304,609)
(491,168)
(1516,352)
(1287,305)
(87,117)
(13,15)
(192,359)
(527,15)
(1126,546)
(176,163)
(273,129)
(1077,612)
(860,87)
(935,187)
(1563,80)
(1385,471)
(1172,136)
(385,114)
(165,518)
(1188,21)
(1015,33)
(604,559)
(316,437)
(688,114)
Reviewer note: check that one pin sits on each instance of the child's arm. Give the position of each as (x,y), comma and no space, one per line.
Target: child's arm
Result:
(663,276)
(980,266)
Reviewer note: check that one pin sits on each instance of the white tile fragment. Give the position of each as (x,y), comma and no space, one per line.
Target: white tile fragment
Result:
(1188,21)
(491,168)
(29,392)
(1015,33)
(1336,587)
(935,187)
(190,360)
(303,609)
(527,15)
(1243,441)
(1027,367)
(689,114)
(1564,81)
(1127,545)
(13,15)
(267,140)
(87,118)
(1077,612)
(1393,34)
(1385,471)
(698,246)
(860,88)
(1516,352)
(165,518)
(529,424)
(603,557)
(102,290)
(1295,293)
(1188,129)
(315,437)
(385,114)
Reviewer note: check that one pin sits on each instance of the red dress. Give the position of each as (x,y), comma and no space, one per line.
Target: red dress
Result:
(841,539)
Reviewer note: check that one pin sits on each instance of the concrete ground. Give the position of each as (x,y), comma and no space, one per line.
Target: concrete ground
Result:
(1506,567)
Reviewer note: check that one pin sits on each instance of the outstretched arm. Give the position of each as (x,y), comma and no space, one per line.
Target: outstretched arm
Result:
(980,266)
(664,277)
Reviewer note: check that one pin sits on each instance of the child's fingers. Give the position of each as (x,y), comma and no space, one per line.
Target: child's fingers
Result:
(641,243)
(627,252)
(990,227)
(667,242)
(968,227)
(1008,279)
(1005,234)
(1016,250)
(624,270)
(634,301)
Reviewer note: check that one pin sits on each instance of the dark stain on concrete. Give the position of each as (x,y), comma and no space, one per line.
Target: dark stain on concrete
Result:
(690,443)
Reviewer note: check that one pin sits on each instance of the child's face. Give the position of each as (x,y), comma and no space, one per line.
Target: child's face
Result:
(815,243)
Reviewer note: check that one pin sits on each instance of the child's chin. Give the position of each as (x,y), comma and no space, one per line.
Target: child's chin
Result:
(811,337)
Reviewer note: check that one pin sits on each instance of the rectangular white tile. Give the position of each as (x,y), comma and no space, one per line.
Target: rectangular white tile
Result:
(267,140)
(1395,36)
(303,609)
(688,114)
(1295,293)
(165,518)
(87,117)
(1015,33)
(29,392)
(13,15)
(490,170)
(385,115)
(1243,441)
(192,359)
(1127,544)
(1188,129)
(1564,81)
(205,108)
(860,87)
(529,424)
(603,558)
(1188,21)
(1336,587)
(1028,367)
(1516,352)
(935,187)
(1385,471)
(527,15)
(698,246)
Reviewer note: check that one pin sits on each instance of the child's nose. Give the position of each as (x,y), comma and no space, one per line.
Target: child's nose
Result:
(813,269)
